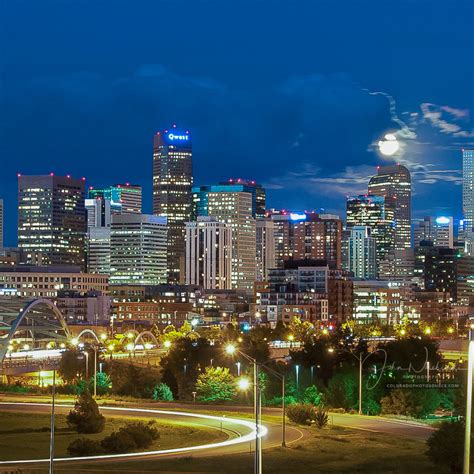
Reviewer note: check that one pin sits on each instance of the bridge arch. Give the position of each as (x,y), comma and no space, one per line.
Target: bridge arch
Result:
(49,326)
(146,333)
(88,331)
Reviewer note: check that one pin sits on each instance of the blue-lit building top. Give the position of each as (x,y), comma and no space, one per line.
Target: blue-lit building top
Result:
(200,195)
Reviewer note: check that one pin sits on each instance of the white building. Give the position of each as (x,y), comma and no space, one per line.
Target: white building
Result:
(138,249)
(209,254)
(362,253)
(265,234)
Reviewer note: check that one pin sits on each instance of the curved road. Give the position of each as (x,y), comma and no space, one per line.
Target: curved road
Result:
(240,433)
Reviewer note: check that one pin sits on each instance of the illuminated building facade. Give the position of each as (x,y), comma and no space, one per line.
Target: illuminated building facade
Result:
(209,254)
(439,231)
(52,218)
(172,184)
(394,184)
(371,211)
(468,193)
(138,246)
(234,208)
(265,235)
(122,198)
(249,186)
(361,253)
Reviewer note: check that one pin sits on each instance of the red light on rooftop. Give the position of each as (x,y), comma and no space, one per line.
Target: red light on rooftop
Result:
(68,176)
(83,178)
(127,184)
(91,187)
(174,125)
(51,174)
(18,175)
(187,131)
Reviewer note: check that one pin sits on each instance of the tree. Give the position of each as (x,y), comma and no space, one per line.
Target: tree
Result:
(215,384)
(446,444)
(103,385)
(128,379)
(86,417)
(162,393)
(72,365)
(411,402)
(313,395)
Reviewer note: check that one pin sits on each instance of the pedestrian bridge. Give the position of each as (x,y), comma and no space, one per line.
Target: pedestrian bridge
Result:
(30,325)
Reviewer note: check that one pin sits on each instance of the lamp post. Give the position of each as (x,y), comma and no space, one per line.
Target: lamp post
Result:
(297,370)
(230,349)
(467,435)
(361,360)
(51,437)
(238,369)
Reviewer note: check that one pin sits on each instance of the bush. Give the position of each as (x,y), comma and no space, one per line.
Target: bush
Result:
(301,413)
(86,417)
(132,436)
(84,447)
(415,403)
(118,442)
(143,434)
(276,401)
(446,446)
(162,393)
(321,418)
(313,395)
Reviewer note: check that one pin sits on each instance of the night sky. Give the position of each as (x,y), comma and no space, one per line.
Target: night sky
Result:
(291,93)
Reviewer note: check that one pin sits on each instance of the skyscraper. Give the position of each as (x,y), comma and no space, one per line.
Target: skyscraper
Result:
(318,237)
(468,194)
(209,254)
(394,183)
(124,198)
(371,211)
(265,234)
(138,249)
(439,231)
(361,253)
(52,218)
(172,183)
(236,209)
(1,223)
(232,185)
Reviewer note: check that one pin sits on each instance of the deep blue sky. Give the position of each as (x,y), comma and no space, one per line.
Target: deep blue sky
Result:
(277,91)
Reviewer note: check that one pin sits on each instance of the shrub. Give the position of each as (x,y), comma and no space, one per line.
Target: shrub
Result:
(143,434)
(162,393)
(301,413)
(276,401)
(321,418)
(86,417)
(445,446)
(118,442)
(416,403)
(84,447)
(313,395)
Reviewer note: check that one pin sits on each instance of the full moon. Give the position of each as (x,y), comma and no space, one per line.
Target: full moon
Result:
(389,145)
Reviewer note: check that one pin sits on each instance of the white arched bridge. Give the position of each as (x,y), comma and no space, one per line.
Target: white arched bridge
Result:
(35,332)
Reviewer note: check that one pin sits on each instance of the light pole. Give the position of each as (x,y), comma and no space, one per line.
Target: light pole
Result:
(230,349)
(467,435)
(238,369)
(297,370)
(51,438)
(361,360)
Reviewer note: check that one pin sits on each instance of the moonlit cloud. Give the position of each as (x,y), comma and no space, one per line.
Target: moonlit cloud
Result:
(446,119)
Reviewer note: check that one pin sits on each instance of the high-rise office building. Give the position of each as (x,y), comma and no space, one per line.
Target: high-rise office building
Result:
(283,235)
(99,212)
(209,254)
(123,198)
(52,218)
(138,245)
(468,193)
(98,250)
(172,183)
(394,183)
(361,253)
(439,231)
(1,223)
(318,237)
(371,211)
(234,208)
(257,191)
(265,235)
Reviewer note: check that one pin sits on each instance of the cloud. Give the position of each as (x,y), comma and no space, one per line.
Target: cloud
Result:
(446,119)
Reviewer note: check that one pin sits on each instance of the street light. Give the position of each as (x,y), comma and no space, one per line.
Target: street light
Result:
(238,369)
(231,350)
(297,369)
(361,360)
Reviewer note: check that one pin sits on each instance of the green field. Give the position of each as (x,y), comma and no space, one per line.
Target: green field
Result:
(26,435)
(332,450)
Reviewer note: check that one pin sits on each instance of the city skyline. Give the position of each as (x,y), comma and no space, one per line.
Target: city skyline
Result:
(309,124)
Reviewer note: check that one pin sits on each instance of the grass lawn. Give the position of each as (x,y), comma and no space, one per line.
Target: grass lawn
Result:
(26,435)
(332,450)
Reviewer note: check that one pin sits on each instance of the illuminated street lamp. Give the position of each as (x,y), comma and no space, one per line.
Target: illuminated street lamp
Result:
(297,370)
(231,350)
(167,344)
